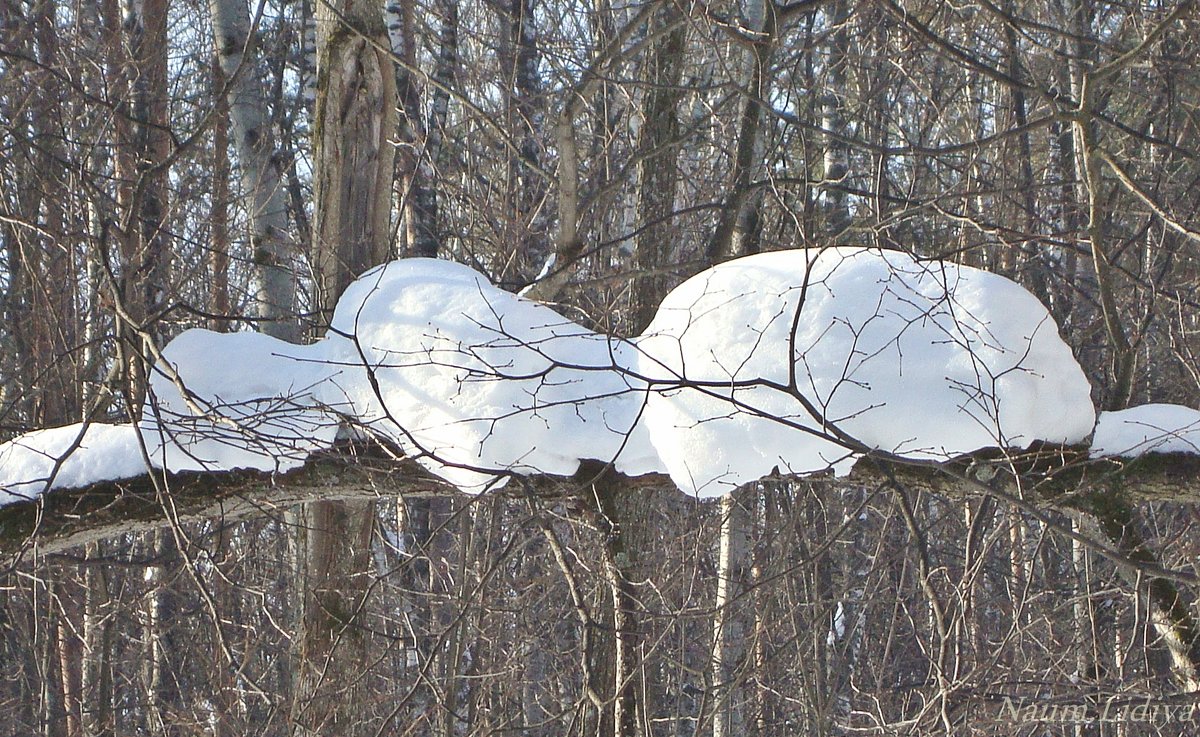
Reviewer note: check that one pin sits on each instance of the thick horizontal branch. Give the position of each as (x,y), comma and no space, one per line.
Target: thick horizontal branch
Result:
(66,518)
(1052,478)
(1048,476)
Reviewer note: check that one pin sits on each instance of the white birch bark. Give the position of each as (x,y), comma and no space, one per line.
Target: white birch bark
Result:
(273,249)
(837,152)
(728,631)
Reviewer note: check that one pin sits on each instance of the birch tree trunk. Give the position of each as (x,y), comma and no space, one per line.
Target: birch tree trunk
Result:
(272,249)
(837,151)
(728,719)
(219,214)
(418,518)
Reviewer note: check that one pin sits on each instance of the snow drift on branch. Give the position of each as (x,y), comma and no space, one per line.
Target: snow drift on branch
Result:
(1158,428)
(67,457)
(796,360)
(474,381)
(803,359)
(222,401)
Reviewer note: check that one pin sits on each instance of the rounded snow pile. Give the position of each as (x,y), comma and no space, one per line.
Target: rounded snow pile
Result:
(474,381)
(802,360)
(797,360)
(1147,428)
(63,457)
(223,401)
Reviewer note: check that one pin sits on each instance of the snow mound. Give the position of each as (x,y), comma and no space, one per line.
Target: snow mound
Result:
(796,360)
(224,401)
(66,457)
(474,381)
(1149,428)
(802,360)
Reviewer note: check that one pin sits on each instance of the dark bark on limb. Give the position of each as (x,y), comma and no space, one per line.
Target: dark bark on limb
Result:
(68,518)
(1041,482)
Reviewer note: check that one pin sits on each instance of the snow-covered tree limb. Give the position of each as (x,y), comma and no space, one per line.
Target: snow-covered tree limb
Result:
(1052,479)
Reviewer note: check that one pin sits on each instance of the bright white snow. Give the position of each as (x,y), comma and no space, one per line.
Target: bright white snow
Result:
(219,402)
(800,359)
(66,457)
(474,381)
(236,400)
(1157,428)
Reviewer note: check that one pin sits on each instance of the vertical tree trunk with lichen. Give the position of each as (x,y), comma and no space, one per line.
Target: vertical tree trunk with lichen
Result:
(355,120)
(353,154)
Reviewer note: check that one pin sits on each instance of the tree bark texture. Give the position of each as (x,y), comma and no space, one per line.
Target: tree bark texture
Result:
(272,248)
(352,134)
(659,173)
(355,122)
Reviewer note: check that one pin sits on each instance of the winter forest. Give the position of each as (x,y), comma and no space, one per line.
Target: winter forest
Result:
(665,368)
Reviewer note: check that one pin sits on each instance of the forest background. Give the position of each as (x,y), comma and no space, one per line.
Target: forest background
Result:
(167,164)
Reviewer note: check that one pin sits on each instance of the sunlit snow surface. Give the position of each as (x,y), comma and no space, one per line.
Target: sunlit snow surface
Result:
(797,359)
(67,457)
(218,402)
(224,401)
(474,381)
(1158,428)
